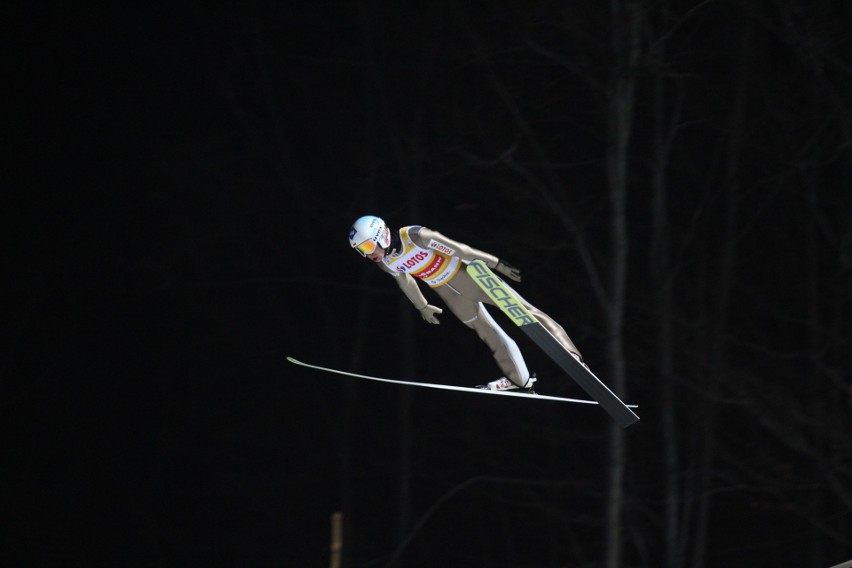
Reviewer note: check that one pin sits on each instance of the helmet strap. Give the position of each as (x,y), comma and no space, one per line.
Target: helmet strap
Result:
(395,242)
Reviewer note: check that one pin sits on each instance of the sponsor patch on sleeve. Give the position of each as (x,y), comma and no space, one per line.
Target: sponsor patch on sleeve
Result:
(441,247)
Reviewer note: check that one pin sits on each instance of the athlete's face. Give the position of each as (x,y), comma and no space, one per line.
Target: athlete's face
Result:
(377,255)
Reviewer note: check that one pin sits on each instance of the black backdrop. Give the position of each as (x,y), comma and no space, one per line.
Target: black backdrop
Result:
(182,182)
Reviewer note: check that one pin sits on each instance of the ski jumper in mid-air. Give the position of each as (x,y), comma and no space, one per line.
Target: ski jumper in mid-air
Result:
(416,253)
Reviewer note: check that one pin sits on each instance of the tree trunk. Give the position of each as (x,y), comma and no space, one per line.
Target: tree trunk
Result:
(665,117)
(660,265)
(626,23)
(716,342)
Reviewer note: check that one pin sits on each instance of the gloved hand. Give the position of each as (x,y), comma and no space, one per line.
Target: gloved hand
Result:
(508,270)
(429,312)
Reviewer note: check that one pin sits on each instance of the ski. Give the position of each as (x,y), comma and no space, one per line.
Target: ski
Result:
(526,395)
(506,299)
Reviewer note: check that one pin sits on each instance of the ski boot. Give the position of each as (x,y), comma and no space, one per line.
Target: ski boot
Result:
(505,384)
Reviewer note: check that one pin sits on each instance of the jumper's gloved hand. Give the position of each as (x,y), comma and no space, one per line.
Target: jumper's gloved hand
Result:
(429,312)
(508,270)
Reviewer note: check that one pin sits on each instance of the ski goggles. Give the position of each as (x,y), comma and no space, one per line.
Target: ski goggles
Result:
(366,247)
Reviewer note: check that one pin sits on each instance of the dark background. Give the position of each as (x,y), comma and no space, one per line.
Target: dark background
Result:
(180,186)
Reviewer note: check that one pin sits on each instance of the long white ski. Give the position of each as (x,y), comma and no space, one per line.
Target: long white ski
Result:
(528,396)
(506,299)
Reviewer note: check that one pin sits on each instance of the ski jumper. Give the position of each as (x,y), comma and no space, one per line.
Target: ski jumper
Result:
(438,261)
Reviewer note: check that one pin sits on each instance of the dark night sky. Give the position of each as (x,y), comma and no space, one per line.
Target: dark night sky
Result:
(183,180)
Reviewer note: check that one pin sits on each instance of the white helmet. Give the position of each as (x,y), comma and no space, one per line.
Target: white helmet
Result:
(367,232)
